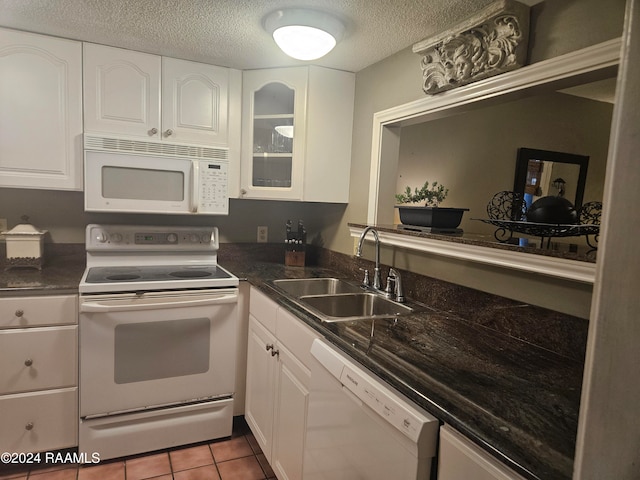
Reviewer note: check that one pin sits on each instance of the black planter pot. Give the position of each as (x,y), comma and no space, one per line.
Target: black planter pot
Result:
(434,217)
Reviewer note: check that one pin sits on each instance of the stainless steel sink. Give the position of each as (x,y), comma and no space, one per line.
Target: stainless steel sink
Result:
(350,306)
(300,287)
(336,300)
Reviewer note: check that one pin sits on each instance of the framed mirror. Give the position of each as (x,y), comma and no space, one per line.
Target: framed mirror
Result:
(392,147)
(541,173)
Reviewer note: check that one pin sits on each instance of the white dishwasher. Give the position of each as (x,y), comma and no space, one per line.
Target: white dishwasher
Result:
(359,428)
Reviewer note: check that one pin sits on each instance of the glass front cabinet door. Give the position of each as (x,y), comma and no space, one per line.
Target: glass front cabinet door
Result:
(273,133)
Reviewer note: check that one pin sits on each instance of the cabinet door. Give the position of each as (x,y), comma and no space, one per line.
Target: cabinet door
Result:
(121,92)
(194,102)
(460,459)
(273,133)
(296,336)
(329,131)
(260,384)
(290,416)
(40,111)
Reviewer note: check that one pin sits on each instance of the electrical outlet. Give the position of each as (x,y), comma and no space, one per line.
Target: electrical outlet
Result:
(263,234)
(3,225)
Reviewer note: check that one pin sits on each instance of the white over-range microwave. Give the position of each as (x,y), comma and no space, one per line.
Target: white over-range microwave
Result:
(133,176)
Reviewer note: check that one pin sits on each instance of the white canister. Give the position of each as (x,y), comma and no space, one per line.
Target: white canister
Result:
(25,245)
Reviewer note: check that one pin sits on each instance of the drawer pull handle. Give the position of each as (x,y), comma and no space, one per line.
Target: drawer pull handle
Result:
(269,347)
(19,313)
(275,352)
(28,362)
(29,426)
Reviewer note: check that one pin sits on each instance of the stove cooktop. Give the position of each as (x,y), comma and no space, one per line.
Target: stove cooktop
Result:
(128,278)
(154,273)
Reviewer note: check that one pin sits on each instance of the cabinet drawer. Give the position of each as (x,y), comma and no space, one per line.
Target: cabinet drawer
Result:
(295,335)
(35,422)
(263,309)
(21,312)
(38,358)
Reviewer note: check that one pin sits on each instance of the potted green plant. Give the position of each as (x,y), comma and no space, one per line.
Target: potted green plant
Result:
(430,214)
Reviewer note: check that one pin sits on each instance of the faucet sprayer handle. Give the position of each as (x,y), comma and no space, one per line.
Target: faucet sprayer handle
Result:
(394,276)
(365,280)
(390,285)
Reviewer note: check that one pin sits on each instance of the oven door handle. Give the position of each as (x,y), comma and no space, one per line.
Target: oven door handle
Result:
(155,304)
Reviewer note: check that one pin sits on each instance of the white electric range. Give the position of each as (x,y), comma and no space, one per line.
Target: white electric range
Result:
(158,326)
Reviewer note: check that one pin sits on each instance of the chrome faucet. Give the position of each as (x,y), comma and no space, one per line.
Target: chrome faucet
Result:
(376,271)
(394,286)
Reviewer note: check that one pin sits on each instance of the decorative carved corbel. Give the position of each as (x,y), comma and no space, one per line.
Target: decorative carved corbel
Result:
(491,42)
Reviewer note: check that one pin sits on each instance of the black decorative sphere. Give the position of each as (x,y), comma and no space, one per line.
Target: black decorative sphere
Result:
(552,210)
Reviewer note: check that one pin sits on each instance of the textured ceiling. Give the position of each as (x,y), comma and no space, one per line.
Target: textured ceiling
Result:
(230,33)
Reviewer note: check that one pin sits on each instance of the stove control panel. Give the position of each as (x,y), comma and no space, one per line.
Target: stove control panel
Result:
(150,238)
(171,238)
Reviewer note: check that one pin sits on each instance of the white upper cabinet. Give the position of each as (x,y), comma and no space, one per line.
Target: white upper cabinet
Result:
(194,102)
(296,134)
(40,111)
(141,95)
(121,92)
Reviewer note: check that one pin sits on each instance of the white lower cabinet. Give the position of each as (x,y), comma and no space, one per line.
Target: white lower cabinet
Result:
(461,459)
(39,373)
(39,421)
(38,358)
(278,378)
(261,386)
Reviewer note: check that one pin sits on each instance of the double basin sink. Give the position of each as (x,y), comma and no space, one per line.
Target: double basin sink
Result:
(337,300)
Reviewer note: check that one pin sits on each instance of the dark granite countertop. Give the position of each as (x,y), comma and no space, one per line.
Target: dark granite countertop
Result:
(61,273)
(516,400)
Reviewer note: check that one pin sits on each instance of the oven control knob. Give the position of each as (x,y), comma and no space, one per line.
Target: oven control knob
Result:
(172,238)
(116,238)
(102,236)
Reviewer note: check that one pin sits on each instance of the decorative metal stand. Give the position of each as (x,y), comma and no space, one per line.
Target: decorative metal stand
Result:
(543,230)
(507,211)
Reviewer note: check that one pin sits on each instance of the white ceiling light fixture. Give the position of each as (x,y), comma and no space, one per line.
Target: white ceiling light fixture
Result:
(304,34)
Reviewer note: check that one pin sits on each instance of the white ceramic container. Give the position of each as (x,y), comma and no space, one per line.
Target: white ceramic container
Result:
(25,246)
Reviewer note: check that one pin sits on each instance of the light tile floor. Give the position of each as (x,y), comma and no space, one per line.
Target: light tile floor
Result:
(236,458)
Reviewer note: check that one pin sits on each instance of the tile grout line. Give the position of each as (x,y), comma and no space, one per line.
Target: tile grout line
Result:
(214,460)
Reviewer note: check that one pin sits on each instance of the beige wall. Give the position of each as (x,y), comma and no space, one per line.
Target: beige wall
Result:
(556,28)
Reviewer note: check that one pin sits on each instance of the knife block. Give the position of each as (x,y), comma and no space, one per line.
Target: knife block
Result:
(294,259)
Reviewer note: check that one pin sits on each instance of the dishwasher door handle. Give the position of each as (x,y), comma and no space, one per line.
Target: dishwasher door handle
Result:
(91,307)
